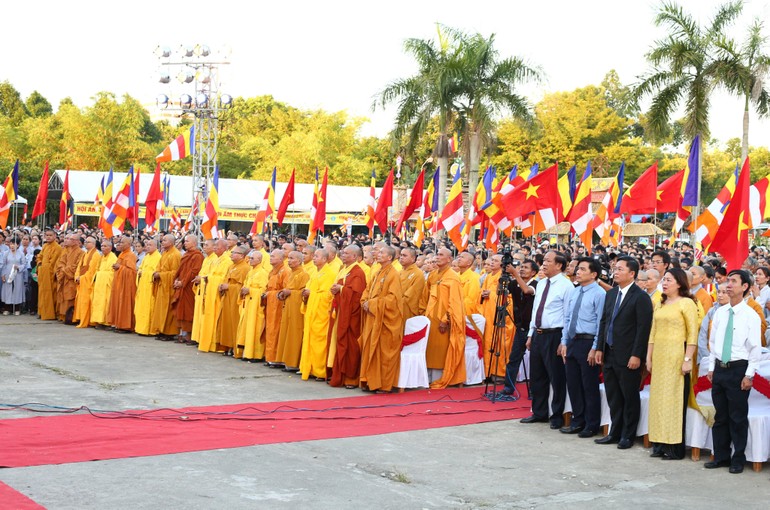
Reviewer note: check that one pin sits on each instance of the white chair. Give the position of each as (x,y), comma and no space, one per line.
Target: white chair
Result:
(414,368)
(474,364)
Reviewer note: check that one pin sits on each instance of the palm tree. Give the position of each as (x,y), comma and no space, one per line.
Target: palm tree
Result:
(488,90)
(685,68)
(745,73)
(431,92)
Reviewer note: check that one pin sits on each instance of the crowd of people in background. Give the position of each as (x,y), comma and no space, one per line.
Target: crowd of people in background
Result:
(335,310)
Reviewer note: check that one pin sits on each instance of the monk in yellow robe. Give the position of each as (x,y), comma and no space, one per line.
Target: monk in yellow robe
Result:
(163,323)
(292,330)
(344,338)
(488,309)
(317,306)
(470,282)
(46,273)
(412,283)
(183,300)
(276,281)
(251,319)
(84,279)
(258,244)
(383,327)
(443,298)
(230,292)
(307,253)
(66,288)
(213,297)
(145,301)
(123,295)
(199,288)
(333,260)
(102,288)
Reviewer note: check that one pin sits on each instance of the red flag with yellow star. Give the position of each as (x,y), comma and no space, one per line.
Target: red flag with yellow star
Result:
(540,193)
(732,238)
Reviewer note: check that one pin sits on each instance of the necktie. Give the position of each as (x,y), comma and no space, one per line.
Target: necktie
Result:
(541,306)
(612,319)
(727,345)
(575,311)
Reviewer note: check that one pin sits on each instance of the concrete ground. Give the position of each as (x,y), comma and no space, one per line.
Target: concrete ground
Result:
(494,465)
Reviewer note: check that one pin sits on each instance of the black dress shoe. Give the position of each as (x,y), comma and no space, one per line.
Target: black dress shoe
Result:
(556,425)
(625,444)
(533,419)
(572,429)
(606,440)
(655,454)
(716,464)
(585,433)
(736,469)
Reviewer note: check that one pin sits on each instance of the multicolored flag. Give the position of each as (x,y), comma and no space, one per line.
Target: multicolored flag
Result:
(266,208)
(451,218)
(153,203)
(116,212)
(8,194)
(66,204)
(180,148)
(107,205)
(211,213)
(708,221)
(581,216)
(567,190)
(371,205)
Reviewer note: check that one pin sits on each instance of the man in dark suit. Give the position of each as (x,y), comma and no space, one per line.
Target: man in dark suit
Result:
(624,331)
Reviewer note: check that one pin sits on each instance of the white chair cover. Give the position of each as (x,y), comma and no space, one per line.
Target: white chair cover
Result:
(414,368)
(474,366)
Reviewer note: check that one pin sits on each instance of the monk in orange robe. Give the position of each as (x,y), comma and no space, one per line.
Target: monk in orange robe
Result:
(470,282)
(345,325)
(162,322)
(183,300)
(276,282)
(488,309)
(121,312)
(412,283)
(66,288)
(292,321)
(383,326)
(84,279)
(443,300)
(230,290)
(46,274)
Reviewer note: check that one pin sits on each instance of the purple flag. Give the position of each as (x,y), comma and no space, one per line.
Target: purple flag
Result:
(692,177)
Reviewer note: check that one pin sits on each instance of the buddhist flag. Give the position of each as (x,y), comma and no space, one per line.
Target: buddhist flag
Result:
(183,146)
(483,195)
(311,231)
(153,203)
(116,213)
(642,196)
(384,202)
(431,201)
(668,193)
(708,221)
(567,189)
(211,213)
(66,205)
(133,202)
(42,194)
(319,219)
(759,201)
(175,222)
(581,216)
(286,200)
(8,194)
(193,214)
(107,205)
(415,200)
(732,238)
(265,211)
(608,209)
(691,182)
(24,217)
(371,205)
(452,215)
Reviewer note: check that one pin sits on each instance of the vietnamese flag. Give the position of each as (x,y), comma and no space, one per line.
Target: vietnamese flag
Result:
(642,197)
(415,200)
(286,200)
(732,238)
(384,202)
(669,193)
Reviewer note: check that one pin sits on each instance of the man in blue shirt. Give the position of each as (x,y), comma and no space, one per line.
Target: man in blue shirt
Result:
(578,349)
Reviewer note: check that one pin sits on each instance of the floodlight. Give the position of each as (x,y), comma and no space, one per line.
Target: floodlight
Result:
(226,101)
(185,76)
(202,100)
(162,101)
(185,100)
(162,52)
(164,76)
(202,50)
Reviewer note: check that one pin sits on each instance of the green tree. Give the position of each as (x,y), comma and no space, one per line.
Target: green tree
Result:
(11,105)
(38,106)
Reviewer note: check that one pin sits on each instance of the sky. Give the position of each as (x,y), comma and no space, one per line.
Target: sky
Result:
(333,55)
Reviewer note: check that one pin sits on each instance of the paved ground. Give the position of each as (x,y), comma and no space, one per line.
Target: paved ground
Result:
(494,465)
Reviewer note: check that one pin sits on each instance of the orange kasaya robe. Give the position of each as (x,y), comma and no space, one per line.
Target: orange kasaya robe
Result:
(66,288)
(183,300)
(46,283)
(505,341)
(163,321)
(86,274)
(292,325)
(412,286)
(383,330)
(443,300)
(229,312)
(121,312)
(276,281)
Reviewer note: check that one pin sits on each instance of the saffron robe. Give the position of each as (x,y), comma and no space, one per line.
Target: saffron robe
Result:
(163,321)
(316,329)
(200,296)
(101,292)
(251,320)
(46,283)
(229,311)
(444,301)
(86,273)
(123,295)
(412,286)
(145,301)
(344,339)
(276,281)
(292,325)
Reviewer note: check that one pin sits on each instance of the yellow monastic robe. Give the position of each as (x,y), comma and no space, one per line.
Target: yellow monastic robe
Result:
(266,265)
(397,266)
(163,321)
(102,289)
(289,347)
(251,320)
(336,265)
(444,302)
(200,297)
(46,285)
(376,268)
(309,268)
(316,310)
(470,282)
(86,272)
(227,323)
(367,271)
(145,301)
(219,269)
(412,286)
(276,281)
(488,309)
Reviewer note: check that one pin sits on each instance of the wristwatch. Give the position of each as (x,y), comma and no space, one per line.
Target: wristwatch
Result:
(687,358)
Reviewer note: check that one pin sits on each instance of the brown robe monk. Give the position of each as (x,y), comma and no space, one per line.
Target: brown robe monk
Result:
(345,328)
(183,301)
(121,313)
(66,288)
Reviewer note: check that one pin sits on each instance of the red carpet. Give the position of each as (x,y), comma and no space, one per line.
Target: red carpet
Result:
(10,498)
(85,437)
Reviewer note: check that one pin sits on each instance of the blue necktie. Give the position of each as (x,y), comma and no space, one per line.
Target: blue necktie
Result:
(575,312)
(612,319)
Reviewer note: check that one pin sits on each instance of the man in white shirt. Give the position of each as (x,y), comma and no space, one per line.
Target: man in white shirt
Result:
(733,361)
(545,333)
